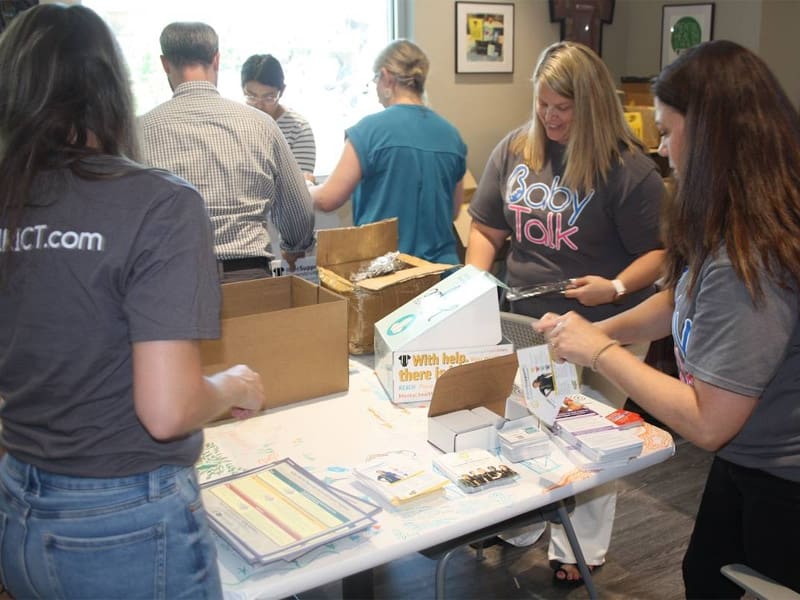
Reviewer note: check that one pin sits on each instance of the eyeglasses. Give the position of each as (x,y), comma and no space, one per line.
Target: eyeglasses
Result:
(376,77)
(265,99)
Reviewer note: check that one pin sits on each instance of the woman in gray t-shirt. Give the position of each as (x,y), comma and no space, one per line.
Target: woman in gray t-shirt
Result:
(107,281)
(731,304)
(579,200)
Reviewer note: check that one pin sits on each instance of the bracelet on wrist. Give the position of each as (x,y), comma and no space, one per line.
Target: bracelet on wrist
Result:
(602,349)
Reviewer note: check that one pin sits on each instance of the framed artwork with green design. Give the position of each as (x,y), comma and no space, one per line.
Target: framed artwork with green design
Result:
(684,26)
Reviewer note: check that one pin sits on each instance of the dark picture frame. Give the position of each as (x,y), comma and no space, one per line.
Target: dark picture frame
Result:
(582,21)
(684,26)
(484,37)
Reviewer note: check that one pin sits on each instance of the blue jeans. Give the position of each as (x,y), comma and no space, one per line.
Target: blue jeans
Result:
(141,536)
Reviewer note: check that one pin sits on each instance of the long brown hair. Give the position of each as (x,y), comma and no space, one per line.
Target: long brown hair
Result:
(65,97)
(739,183)
(598,128)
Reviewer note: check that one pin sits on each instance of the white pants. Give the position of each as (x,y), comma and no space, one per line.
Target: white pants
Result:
(593,517)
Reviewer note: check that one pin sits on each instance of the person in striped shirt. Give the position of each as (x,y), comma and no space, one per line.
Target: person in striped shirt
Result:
(263,86)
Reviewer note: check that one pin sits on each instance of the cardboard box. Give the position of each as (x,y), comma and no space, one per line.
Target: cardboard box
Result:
(484,383)
(292,332)
(462,226)
(647,130)
(463,222)
(470,185)
(344,251)
(459,312)
(415,372)
(638,92)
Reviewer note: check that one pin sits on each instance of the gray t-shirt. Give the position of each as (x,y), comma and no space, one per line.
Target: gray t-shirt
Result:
(721,338)
(99,265)
(559,232)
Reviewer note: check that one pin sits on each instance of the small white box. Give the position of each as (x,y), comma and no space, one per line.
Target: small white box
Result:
(463,429)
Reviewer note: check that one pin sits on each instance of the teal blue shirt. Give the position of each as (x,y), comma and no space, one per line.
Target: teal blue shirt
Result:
(411,160)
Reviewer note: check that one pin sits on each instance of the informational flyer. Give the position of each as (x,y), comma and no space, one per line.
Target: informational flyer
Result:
(280,511)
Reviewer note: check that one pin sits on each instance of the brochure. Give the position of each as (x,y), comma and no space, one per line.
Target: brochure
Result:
(544,382)
(398,478)
(280,511)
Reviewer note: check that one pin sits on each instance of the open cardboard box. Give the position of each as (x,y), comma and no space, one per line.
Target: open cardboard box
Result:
(647,130)
(463,222)
(344,251)
(484,383)
(292,332)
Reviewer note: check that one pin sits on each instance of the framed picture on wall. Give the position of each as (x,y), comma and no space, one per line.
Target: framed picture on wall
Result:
(484,37)
(684,26)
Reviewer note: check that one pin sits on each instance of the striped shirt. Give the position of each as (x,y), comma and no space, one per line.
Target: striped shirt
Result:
(298,133)
(239,161)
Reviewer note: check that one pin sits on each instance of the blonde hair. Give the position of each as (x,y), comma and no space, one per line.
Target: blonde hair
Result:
(407,62)
(598,127)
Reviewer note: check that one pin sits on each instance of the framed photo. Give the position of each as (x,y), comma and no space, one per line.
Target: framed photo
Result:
(684,26)
(484,37)
(583,21)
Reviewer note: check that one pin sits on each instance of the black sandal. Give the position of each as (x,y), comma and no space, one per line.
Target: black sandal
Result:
(561,575)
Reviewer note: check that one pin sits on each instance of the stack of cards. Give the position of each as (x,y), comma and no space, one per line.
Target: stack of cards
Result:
(475,469)
(593,435)
(523,440)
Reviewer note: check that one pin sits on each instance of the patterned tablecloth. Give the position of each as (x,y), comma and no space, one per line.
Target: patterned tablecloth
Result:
(329,435)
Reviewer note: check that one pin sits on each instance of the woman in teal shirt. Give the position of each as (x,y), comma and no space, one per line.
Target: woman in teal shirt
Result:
(405,161)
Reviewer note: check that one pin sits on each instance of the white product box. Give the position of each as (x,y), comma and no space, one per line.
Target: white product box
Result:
(461,312)
(414,373)
(304,267)
(462,429)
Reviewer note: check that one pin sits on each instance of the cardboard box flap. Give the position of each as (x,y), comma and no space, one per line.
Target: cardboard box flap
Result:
(351,244)
(470,185)
(482,383)
(419,268)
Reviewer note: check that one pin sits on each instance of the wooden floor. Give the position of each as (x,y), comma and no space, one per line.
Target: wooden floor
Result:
(655,515)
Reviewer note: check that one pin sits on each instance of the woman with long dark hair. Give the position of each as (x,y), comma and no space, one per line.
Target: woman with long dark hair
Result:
(107,281)
(732,236)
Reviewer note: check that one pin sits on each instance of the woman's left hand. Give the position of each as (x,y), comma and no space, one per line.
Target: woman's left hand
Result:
(572,337)
(591,290)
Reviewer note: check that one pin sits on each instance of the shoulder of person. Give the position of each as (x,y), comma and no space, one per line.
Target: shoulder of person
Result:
(158,183)
(291,115)
(633,167)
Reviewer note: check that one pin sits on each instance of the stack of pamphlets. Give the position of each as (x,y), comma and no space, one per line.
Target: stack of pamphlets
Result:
(281,511)
(475,469)
(397,478)
(595,436)
(522,439)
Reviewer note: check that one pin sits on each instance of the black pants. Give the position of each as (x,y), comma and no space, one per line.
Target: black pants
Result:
(746,516)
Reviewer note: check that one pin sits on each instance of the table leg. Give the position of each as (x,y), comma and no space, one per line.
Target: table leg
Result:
(563,516)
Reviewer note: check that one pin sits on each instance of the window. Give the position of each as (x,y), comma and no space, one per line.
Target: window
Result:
(326,49)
